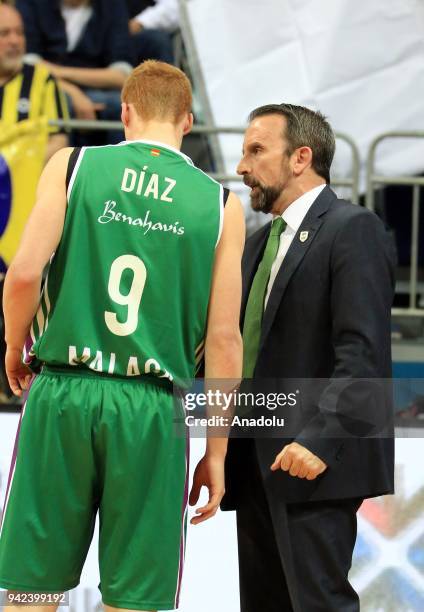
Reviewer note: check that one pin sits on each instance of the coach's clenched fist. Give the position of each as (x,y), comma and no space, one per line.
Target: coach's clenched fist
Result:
(299,461)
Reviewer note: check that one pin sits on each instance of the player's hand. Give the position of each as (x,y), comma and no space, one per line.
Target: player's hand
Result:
(18,374)
(209,473)
(299,461)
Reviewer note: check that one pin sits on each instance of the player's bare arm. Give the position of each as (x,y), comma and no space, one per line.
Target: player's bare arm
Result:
(223,349)
(23,280)
(55,143)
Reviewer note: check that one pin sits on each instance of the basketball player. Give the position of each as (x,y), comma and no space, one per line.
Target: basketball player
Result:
(144,267)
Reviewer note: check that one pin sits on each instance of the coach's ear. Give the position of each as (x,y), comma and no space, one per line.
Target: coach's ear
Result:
(125,114)
(188,124)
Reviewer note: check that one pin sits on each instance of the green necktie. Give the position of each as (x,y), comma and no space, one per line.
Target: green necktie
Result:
(255,303)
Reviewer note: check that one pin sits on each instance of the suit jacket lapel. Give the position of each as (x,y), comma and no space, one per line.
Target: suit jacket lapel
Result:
(294,256)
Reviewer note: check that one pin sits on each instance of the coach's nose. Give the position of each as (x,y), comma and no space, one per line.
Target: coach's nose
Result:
(242,167)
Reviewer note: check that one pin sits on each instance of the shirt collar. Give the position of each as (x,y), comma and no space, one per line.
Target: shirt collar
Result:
(157,143)
(296,212)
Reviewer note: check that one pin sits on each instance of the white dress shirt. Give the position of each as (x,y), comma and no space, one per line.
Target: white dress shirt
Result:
(165,15)
(293,216)
(76,18)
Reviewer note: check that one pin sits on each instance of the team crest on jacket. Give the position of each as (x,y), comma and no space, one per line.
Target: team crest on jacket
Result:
(303,236)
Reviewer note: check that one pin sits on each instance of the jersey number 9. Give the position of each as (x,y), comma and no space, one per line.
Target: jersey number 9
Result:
(132,299)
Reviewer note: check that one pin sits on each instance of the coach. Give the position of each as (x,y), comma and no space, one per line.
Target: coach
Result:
(318,289)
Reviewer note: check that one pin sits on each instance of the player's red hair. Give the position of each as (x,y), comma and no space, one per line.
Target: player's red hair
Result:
(158,91)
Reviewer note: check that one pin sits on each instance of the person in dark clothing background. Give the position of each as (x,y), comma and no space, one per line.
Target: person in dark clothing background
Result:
(152,23)
(85,44)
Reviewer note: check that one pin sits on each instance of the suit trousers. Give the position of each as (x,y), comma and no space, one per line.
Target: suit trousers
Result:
(294,557)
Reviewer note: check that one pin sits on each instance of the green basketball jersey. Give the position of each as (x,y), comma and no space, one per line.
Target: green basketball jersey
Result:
(128,288)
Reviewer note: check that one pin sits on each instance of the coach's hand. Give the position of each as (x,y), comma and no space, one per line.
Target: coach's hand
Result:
(209,473)
(299,461)
(18,375)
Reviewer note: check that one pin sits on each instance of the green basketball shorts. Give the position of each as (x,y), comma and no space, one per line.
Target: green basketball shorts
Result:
(91,443)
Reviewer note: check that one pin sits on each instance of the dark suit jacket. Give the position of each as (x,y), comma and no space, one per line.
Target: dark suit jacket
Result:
(327,318)
(104,41)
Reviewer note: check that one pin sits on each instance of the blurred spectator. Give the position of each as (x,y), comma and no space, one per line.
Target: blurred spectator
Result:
(152,23)
(85,44)
(26,92)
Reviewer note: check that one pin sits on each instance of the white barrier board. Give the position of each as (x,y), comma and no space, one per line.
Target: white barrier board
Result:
(388,569)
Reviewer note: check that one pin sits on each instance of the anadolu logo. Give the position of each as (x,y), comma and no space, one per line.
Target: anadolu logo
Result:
(5,200)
